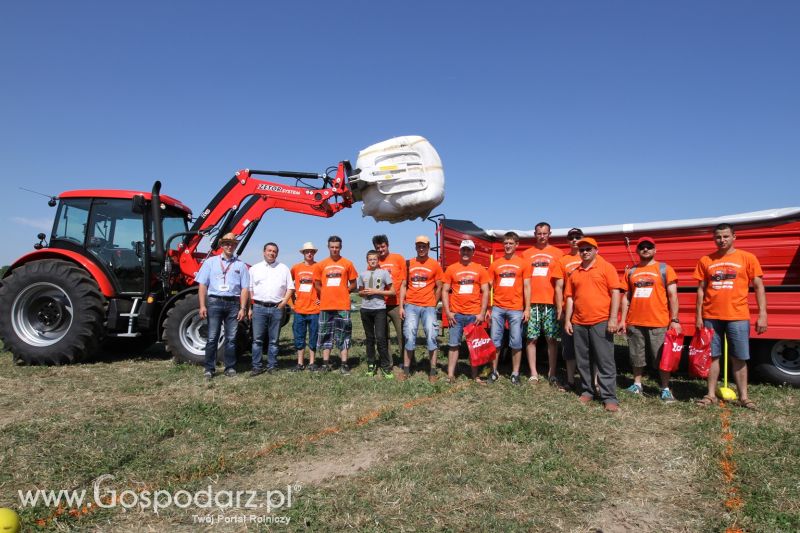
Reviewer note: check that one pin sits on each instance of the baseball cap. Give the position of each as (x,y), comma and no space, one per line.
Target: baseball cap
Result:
(589,241)
(645,239)
(422,239)
(467,243)
(573,231)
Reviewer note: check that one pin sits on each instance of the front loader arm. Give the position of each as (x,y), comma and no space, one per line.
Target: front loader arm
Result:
(244,200)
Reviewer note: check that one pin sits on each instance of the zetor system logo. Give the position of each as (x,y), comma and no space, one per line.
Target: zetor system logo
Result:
(276,188)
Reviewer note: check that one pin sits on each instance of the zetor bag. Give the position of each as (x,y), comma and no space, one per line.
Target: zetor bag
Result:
(481,347)
(700,353)
(671,352)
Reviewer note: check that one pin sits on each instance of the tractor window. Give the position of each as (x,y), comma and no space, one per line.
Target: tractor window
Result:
(73,214)
(114,231)
(173,222)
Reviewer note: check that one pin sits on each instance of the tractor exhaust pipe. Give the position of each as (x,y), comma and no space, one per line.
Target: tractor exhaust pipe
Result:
(158,232)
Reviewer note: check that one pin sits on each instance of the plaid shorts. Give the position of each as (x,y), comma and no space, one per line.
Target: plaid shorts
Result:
(543,321)
(335,328)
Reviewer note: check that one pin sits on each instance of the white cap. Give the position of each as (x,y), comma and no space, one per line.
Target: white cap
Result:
(467,243)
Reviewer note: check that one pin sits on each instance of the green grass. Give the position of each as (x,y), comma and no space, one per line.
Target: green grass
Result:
(375,455)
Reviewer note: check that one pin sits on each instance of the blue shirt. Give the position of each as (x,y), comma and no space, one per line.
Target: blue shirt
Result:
(218,272)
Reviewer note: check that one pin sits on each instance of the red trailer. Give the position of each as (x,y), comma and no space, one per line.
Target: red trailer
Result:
(772,235)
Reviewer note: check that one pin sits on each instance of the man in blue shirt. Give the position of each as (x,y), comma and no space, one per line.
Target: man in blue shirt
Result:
(224,292)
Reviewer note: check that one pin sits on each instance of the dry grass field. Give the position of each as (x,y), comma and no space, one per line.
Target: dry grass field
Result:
(367,454)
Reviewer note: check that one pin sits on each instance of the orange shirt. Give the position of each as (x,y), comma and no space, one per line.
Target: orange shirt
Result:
(507,277)
(590,289)
(335,277)
(545,270)
(306,296)
(395,265)
(465,287)
(421,284)
(648,297)
(568,263)
(727,280)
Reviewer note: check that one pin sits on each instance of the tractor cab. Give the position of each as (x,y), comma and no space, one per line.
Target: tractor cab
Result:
(115,230)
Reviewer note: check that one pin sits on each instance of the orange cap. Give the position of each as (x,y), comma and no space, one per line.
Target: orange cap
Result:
(589,241)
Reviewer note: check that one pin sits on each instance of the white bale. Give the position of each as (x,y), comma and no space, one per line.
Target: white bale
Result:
(401,179)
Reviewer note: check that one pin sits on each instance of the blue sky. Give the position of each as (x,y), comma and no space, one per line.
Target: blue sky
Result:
(579,113)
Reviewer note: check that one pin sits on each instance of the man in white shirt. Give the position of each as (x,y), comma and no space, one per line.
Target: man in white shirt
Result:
(271,287)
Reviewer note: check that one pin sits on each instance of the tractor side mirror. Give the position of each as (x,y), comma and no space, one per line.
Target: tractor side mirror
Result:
(138,205)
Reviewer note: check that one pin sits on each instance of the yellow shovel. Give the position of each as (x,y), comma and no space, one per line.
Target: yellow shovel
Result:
(726,393)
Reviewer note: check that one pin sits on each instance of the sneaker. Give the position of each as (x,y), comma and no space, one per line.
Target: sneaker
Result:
(208,374)
(667,397)
(515,379)
(344,369)
(611,407)
(388,374)
(634,389)
(272,369)
(494,376)
(325,368)
(256,372)
(230,372)
(298,368)
(312,367)
(432,376)
(585,399)
(371,369)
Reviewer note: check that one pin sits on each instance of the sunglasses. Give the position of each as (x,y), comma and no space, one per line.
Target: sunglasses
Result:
(575,237)
(585,249)
(645,247)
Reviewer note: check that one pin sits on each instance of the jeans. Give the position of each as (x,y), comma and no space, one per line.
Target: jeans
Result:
(266,320)
(221,312)
(499,317)
(411,324)
(374,321)
(300,325)
(457,328)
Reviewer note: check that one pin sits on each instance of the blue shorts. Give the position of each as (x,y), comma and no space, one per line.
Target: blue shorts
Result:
(457,329)
(738,334)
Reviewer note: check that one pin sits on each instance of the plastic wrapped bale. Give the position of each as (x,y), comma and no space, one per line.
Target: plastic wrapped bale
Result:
(401,179)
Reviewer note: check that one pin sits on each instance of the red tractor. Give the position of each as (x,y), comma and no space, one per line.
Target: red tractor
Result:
(122,263)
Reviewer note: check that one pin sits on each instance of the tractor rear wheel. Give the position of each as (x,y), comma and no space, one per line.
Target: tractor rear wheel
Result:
(51,312)
(185,333)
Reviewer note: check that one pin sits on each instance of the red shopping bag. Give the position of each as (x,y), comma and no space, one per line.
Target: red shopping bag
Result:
(481,347)
(671,352)
(700,353)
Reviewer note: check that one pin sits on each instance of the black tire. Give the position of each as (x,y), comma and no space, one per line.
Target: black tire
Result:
(778,362)
(51,313)
(185,334)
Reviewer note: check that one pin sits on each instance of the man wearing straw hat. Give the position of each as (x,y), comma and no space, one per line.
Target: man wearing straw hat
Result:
(223,294)
(306,307)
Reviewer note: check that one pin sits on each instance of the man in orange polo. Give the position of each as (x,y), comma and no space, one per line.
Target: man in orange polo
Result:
(724,278)
(395,265)
(546,300)
(334,278)
(569,262)
(465,297)
(510,277)
(419,294)
(649,308)
(593,296)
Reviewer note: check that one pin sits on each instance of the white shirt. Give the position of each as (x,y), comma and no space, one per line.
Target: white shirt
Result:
(269,283)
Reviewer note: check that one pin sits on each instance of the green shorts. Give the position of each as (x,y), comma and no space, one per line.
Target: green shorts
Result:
(543,322)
